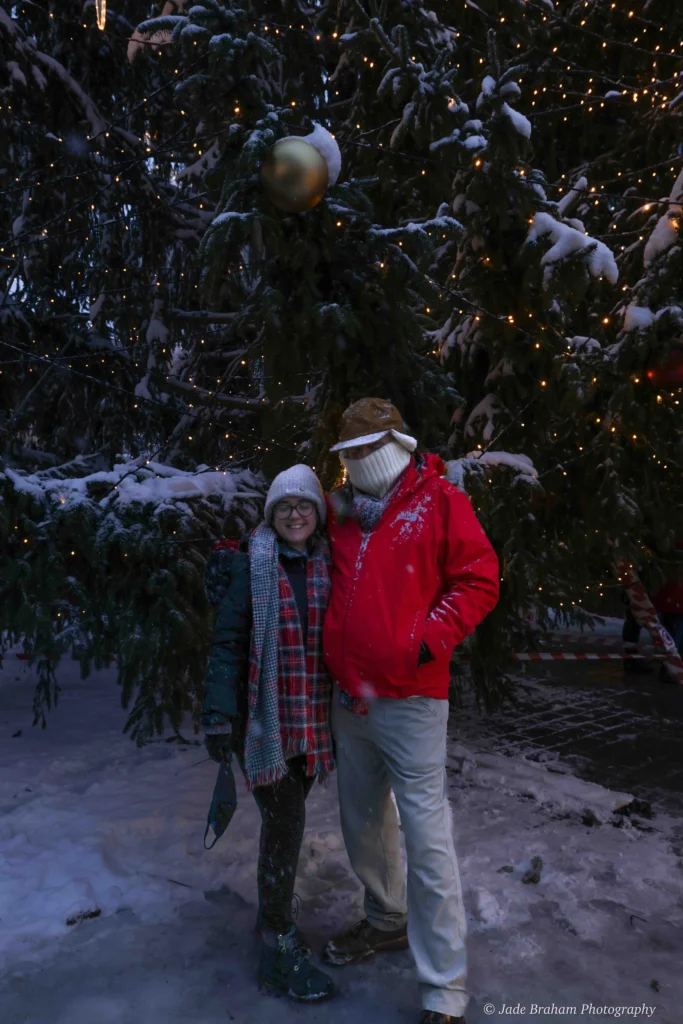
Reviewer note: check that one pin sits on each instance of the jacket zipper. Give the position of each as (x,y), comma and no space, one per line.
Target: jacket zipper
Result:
(365,541)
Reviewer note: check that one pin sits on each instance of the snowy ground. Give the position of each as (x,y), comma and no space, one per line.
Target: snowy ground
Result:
(89,823)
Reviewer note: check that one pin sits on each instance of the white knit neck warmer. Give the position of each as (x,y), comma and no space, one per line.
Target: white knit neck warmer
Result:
(377,472)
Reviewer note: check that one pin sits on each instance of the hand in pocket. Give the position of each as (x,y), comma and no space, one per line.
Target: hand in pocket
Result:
(425,655)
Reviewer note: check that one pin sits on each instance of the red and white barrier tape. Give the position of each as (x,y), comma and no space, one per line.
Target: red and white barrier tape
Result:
(645,614)
(528,656)
(519,656)
(585,656)
(576,656)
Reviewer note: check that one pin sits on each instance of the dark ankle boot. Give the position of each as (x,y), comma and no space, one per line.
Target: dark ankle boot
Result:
(284,970)
(302,942)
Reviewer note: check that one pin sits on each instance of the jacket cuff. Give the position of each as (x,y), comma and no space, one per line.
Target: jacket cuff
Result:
(216,724)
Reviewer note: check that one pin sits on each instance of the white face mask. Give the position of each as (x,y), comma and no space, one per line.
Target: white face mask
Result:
(378,471)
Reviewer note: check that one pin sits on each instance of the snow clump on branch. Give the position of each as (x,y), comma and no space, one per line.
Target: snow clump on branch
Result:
(150,484)
(665,233)
(474,463)
(566,241)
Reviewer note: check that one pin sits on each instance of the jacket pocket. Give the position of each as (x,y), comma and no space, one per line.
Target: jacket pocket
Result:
(428,703)
(415,637)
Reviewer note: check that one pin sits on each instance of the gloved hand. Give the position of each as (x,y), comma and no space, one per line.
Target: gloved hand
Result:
(218,745)
(425,655)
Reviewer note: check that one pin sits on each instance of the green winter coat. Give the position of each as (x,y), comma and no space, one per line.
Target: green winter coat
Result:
(228,589)
(227,582)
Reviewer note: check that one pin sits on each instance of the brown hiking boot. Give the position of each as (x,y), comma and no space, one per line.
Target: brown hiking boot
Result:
(363,940)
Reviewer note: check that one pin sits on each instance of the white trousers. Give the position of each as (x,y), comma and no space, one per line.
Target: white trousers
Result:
(401,746)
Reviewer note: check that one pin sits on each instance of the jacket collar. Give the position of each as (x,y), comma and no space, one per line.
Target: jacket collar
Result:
(422,467)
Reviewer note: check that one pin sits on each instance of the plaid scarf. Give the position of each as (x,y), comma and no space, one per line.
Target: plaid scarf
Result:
(289,690)
(366,509)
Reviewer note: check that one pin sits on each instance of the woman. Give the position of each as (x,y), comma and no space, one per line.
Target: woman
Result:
(268,697)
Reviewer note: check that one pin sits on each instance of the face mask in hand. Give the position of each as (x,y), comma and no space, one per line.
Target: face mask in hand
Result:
(223,803)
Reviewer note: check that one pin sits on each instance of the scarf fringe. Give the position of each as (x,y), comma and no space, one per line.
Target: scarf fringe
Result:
(266,776)
(295,746)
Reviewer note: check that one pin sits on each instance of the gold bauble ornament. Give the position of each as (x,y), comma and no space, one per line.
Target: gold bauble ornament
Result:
(294,175)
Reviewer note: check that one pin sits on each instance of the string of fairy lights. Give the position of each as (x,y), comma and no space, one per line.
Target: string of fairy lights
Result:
(101,22)
(202,413)
(458,295)
(445,288)
(37,233)
(112,125)
(265,28)
(253,437)
(64,363)
(277,29)
(315,33)
(187,412)
(149,457)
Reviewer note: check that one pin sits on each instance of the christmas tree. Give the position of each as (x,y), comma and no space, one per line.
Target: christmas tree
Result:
(104,532)
(172,337)
(618,127)
(523,268)
(256,333)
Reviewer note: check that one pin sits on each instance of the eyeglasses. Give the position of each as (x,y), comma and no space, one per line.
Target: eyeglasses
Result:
(283,510)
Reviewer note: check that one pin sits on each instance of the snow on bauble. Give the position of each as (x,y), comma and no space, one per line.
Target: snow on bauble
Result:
(326,144)
(299,169)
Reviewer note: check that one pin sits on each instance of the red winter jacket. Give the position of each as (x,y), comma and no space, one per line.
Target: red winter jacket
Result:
(426,572)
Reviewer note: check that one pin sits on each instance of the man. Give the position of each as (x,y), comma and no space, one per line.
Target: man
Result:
(412,575)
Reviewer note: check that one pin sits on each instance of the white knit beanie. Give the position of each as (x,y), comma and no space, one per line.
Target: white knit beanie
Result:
(296,482)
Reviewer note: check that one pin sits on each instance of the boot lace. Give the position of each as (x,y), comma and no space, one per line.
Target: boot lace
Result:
(288,944)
